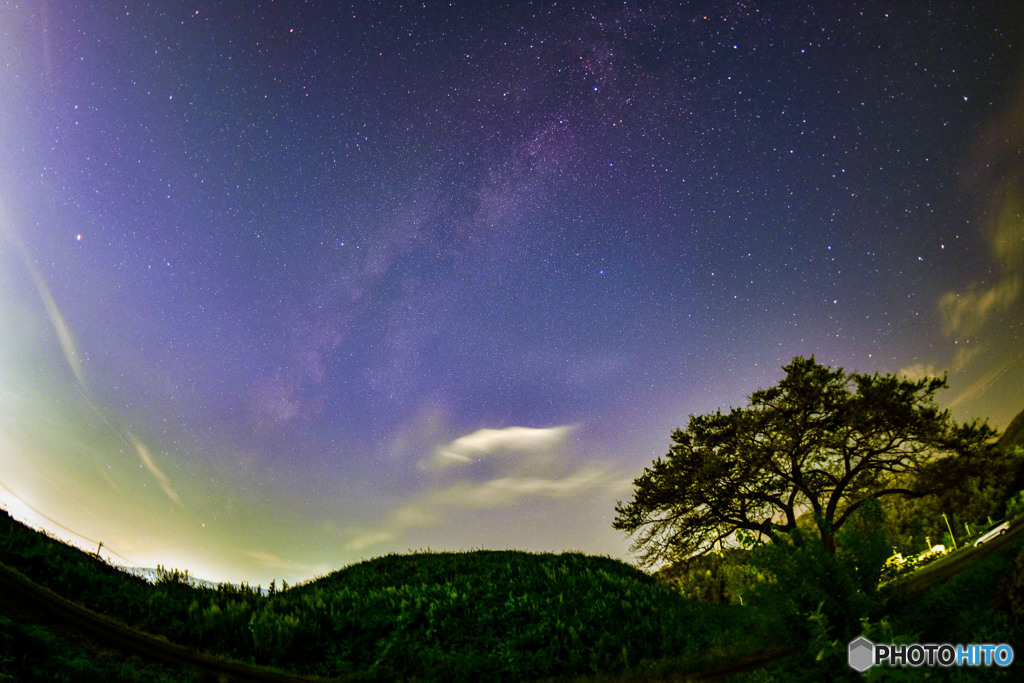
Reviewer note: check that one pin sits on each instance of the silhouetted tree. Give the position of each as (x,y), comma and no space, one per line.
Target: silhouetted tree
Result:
(821,441)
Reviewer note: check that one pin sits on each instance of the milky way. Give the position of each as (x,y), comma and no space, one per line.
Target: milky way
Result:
(289,285)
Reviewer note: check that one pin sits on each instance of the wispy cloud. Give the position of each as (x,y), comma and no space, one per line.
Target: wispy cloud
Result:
(271,561)
(368,539)
(981,385)
(526,464)
(965,313)
(161,478)
(72,356)
(60,327)
(997,175)
(503,491)
(445,506)
(487,442)
(918,371)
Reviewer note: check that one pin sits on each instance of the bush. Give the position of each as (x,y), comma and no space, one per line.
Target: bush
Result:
(1011,591)
(1015,505)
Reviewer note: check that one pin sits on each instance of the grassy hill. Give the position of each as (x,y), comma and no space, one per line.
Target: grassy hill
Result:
(483,615)
(508,614)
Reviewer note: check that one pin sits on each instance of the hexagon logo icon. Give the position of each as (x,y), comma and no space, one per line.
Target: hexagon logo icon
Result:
(861,654)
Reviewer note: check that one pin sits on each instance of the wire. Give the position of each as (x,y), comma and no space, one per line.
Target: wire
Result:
(51,520)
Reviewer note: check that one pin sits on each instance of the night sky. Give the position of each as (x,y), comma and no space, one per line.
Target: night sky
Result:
(284,285)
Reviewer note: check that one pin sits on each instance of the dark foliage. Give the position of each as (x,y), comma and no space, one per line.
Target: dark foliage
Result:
(821,441)
(1011,592)
(963,507)
(32,650)
(486,615)
(803,578)
(972,607)
(715,578)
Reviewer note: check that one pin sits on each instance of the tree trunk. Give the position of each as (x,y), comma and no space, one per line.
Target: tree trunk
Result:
(828,539)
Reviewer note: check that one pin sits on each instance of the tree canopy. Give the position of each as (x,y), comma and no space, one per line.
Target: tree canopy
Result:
(821,441)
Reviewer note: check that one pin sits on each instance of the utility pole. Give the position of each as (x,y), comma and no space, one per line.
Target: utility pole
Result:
(950,530)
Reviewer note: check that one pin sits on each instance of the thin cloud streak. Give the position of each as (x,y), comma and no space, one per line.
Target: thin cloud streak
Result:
(60,327)
(73,358)
(978,388)
(271,561)
(161,478)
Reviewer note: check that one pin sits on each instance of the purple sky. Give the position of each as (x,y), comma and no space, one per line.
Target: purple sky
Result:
(286,285)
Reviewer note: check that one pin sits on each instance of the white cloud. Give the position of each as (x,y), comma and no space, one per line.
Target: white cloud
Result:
(998,177)
(964,313)
(486,442)
(60,326)
(526,464)
(161,478)
(368,539)
(506,490)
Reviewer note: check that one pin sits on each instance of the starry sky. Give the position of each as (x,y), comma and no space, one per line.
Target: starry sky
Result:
(285,285)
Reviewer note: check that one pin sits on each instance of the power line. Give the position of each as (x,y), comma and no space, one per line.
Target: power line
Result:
(51,520)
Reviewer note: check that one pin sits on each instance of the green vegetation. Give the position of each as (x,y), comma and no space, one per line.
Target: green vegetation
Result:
(953,611)
(792,506)
(822,442)
(988,492)
(512,615)
(486,615)
(981,604)
(31,650)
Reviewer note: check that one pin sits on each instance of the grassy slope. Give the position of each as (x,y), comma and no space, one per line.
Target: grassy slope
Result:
(500,615)
(33,648)
(512,614)
(454,616)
